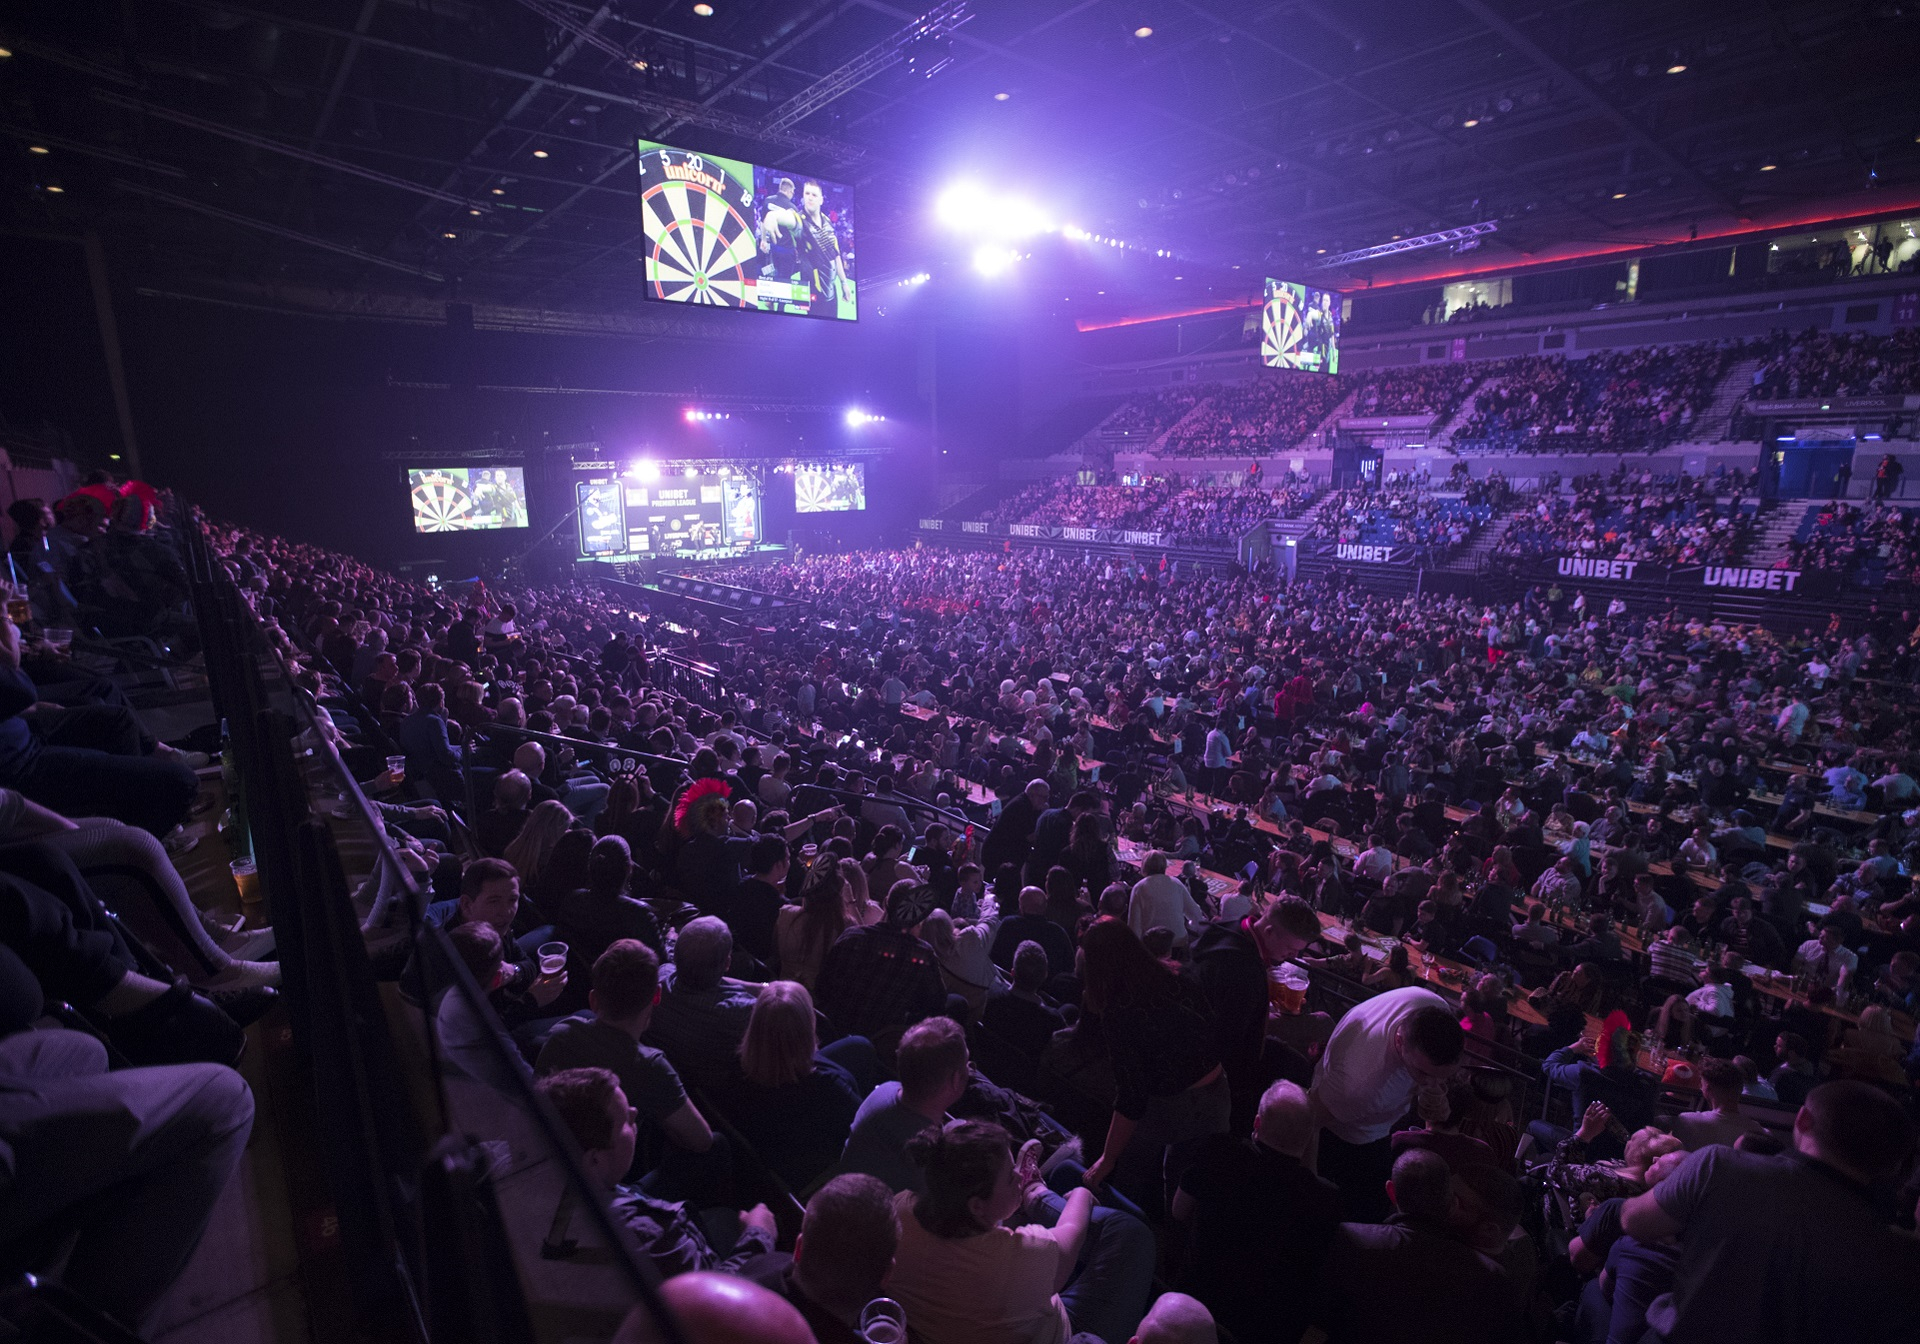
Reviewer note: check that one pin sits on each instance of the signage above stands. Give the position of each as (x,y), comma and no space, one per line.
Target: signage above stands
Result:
(1580,567)
(1745,578)
(1769,580)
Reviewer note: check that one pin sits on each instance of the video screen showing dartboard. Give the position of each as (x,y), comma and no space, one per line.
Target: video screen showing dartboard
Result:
(467,499)
(1300,328)
(731,234)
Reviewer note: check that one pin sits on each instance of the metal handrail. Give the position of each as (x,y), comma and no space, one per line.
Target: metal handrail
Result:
(640,1275)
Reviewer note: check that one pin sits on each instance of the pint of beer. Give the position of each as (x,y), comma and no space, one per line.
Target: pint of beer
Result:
(1287,988)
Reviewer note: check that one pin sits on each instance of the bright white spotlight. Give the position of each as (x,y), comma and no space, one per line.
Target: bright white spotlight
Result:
(962,205)
(1017,218)
(993,260)
(969,206)
(691,472)
(647,470)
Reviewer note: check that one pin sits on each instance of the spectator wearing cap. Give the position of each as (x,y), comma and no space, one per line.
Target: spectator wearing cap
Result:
(880,979)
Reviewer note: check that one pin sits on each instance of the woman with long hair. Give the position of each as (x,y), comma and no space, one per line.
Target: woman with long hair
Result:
(622,799)
(1089,853)
(1171,1088)
(794,1104)
(862,909)
(965,1277)
(966,963)
(1393,973)
(802,933)
(531,848)
(1501,868)
(565,870)
(884,864)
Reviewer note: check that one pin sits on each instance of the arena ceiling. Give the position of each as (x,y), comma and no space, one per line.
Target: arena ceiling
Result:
(358,151)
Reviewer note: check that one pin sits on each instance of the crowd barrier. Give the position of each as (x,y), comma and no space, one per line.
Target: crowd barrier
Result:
(448,1209)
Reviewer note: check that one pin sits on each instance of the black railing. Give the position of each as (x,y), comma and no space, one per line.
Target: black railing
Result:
(426,1172)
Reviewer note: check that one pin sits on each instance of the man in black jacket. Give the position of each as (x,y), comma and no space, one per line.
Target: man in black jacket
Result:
(1231,959)
(1011,839)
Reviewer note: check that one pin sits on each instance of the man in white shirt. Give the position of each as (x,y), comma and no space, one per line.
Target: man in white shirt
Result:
(1825,960)
(1161,900)
(1383,1052)
(1542,935)
(1218,758)
(1375,862)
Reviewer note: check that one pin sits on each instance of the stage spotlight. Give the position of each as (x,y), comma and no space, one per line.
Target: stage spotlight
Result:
(969,206)
(691,472)
(647,470)
(993,260)
(1143,32)
(856,417)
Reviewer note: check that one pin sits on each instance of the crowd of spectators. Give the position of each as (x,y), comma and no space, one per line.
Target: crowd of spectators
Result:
(1272,413)
(1839,364)
(1872,545)
(1064,923)
(1608,401)
(1059,503)
(1605,402)
(1190,513)
(1425,389)
(782,932)
(1666,520)
(1150,414)
(1410,513)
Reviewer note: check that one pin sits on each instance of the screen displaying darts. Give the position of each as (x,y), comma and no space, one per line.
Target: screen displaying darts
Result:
(467,499)
(730,234)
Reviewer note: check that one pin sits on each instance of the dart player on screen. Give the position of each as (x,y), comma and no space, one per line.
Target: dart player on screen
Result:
(1318,342)
(820,267)
(779,226)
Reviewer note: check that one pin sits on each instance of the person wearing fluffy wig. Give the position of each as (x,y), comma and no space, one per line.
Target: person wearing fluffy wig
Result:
(710,863)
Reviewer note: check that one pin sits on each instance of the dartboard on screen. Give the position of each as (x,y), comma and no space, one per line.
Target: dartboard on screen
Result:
(694,213)
(467,499)
(440,503)
(722,233)
(1300,328)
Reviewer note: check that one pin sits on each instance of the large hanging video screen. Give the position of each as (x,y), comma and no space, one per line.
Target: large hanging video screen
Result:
(467,499)
(1300,328)
(838,489)
(731,234)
